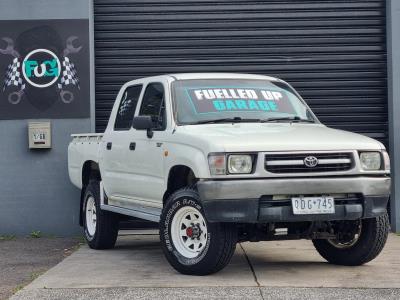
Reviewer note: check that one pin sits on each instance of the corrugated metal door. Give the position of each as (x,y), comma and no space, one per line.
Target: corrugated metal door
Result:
(333,52)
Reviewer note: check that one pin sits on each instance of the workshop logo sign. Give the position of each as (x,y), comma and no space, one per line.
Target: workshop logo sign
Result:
(41,68)
(43,64)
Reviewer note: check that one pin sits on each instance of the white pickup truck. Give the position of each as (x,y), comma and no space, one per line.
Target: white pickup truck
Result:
(218,159)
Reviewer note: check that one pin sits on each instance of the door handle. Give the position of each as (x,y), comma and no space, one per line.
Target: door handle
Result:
(132,146)
(109,146)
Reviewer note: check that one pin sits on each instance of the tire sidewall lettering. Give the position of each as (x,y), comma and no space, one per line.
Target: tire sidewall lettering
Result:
(166,233)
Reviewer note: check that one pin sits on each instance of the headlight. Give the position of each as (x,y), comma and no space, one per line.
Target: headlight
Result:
(240,164)
(217,164)
(370,161)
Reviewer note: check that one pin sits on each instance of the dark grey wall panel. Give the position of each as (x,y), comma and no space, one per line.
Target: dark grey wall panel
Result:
(333,52)
(35,191)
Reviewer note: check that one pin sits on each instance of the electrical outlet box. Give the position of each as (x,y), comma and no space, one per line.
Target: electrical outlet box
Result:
(39,135)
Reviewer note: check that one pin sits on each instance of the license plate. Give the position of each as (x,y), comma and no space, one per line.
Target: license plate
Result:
(313,205)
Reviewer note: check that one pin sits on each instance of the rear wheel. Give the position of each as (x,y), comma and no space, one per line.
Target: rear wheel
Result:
(358,242)
(191,244)
(100,227)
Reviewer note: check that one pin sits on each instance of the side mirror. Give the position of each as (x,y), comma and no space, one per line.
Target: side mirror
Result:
(143,123)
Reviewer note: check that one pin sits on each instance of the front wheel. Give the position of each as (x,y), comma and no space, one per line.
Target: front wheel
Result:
(358,241)
(192,245)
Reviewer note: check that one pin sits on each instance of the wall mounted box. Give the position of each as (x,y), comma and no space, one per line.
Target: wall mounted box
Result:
(39,135)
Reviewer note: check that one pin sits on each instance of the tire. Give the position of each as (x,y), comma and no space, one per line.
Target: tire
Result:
(103,232)
(213,243)
(370,242)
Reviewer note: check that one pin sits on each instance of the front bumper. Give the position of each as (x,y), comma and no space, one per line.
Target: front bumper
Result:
(241,200)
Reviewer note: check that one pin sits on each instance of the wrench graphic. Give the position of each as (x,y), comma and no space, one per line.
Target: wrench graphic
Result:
(70,47)
(15,97)
(67,96)
(10,48)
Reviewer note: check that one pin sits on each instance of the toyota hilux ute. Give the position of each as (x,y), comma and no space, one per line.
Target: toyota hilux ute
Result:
(218,159)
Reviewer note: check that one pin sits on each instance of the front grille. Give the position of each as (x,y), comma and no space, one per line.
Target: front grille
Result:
(294,162)
(277,201)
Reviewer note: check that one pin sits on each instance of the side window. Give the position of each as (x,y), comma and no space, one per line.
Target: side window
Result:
(127,107)
(153,104)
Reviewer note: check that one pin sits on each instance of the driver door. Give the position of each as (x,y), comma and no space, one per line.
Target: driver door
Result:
(148,162)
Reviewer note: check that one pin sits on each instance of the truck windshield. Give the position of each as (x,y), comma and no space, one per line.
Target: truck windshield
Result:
(236,100)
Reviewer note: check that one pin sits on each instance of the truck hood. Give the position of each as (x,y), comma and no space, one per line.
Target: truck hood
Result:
(273,137)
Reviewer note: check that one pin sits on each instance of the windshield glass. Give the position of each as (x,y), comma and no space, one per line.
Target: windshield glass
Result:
(212,100)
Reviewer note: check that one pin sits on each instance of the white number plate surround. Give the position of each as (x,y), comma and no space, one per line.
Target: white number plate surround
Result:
(313,205)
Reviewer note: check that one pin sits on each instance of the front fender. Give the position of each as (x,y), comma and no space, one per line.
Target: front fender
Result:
(188,156)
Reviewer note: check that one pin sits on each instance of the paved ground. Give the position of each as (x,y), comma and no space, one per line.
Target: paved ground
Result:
(137,269)
(24,259)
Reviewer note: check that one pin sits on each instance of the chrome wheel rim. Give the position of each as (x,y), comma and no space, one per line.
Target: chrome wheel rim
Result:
(189,232)
(91,216)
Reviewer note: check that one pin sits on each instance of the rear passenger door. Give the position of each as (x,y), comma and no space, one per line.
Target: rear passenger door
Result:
(116,142)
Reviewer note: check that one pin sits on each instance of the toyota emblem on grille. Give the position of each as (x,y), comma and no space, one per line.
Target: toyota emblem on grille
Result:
(311,161)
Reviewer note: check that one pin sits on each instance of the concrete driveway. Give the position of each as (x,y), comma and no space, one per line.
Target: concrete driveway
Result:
(137,269)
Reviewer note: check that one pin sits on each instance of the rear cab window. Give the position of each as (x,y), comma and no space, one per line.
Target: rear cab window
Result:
(127,107)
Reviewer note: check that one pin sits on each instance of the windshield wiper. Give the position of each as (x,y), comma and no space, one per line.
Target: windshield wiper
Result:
(227,120)
(291,119)
(244,120)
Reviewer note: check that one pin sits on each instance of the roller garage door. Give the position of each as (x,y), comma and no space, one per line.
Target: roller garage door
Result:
(333,52)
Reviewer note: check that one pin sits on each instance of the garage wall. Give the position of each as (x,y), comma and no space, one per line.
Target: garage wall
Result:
(35,191)
(333,52)
(393,38)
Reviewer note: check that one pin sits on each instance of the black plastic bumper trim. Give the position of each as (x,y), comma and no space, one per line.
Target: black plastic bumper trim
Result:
(249,211)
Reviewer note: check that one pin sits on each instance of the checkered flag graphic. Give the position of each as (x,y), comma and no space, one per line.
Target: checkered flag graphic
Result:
(13,75)
(69,74)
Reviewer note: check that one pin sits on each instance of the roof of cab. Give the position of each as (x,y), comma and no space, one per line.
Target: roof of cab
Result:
(186,76)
